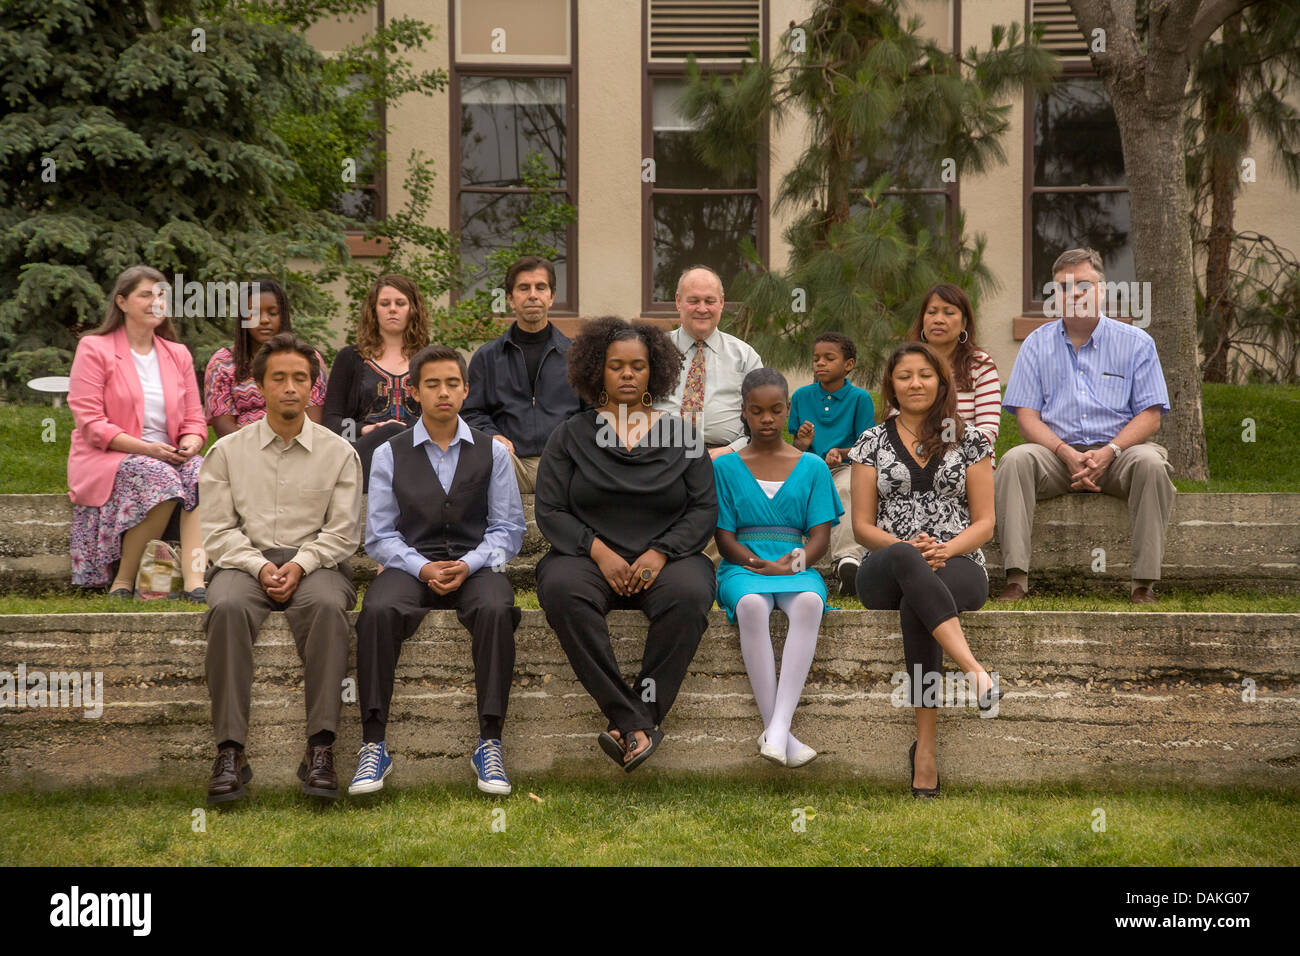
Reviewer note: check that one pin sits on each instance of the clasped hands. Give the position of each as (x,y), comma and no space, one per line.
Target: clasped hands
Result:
(935,552)
(280,583)
(626,579)
(185,449)
(444,577)
(1086,467)
(782,565)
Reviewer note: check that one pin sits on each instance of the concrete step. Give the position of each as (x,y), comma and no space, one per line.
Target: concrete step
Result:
(1206,698)
(1081,543)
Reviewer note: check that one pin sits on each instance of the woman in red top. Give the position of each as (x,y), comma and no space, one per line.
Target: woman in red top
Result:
(230,396)
(135,448)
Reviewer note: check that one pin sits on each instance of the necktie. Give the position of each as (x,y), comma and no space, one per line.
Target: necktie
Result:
(693,393)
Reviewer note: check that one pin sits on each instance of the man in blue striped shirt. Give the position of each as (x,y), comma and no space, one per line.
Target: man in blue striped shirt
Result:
(1088,393)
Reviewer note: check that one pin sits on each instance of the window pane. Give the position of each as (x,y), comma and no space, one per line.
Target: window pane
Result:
(1076,138)
(691,229)
(1071,220)
(360,203)
(676,165)
(488,221)
(503,120)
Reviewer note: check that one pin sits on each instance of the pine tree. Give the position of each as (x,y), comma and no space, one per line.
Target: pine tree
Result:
(887,109)
(143,132)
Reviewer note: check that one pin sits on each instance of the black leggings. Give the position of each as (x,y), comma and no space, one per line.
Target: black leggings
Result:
(899,577)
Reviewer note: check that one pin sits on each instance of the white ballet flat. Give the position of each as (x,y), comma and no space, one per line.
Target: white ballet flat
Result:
(770,753)
(803,755)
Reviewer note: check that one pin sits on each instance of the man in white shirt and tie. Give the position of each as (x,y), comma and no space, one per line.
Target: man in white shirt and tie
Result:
(716,363)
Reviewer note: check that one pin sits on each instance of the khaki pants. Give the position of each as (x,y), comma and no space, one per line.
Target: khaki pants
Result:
(1030,473)
(525,473)
(318,617)
(843,544)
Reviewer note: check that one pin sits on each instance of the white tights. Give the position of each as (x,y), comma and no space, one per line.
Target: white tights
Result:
(777,700)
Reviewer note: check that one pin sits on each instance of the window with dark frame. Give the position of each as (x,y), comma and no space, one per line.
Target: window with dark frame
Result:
(1076,191)
(692,214)
(366,200)
(501,116)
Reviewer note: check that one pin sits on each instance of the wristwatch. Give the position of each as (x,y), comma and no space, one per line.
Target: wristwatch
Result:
(1115,448)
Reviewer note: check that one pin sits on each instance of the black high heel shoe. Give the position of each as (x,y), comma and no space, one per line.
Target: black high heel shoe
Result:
(922,792)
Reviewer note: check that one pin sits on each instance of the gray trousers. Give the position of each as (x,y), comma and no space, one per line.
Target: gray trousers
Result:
(318,618)
(1030,473)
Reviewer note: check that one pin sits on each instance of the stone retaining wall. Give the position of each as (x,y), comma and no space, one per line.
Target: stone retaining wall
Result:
(1092,696)
(1216,541)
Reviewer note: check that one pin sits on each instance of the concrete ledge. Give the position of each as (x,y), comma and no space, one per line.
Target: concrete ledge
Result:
(1093,696)
(1216,541)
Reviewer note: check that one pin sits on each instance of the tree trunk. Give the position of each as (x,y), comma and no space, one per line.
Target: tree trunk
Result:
(1160,206)
(1221,109)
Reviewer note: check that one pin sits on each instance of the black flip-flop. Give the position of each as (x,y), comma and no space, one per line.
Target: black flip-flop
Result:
(612,747)
(655,736)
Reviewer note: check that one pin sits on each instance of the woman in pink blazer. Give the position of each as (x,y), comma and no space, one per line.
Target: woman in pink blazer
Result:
(135,449)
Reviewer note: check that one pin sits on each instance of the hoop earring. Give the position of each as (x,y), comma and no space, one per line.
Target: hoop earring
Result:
(923,338)
(646,399)
(963,337)
(602,398)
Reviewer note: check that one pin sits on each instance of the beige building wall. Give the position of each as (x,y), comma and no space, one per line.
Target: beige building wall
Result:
(994,202)
(609,72)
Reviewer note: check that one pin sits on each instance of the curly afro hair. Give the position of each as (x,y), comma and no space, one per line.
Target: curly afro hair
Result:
(587,356)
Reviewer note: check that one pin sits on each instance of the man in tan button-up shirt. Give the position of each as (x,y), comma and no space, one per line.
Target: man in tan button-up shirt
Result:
(281,516)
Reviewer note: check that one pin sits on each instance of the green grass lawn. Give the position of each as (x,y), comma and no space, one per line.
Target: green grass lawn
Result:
(1271,462)
(667,819)
(1218,601)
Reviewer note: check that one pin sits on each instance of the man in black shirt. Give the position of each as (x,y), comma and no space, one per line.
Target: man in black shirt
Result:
(518,383)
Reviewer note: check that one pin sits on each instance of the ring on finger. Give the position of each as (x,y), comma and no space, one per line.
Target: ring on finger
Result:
(646,574)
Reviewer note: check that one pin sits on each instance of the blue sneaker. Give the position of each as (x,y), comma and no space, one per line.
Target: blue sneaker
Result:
(489,767)
(373,765)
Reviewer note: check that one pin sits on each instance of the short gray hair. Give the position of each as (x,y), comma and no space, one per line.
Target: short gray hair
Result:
(1077,257)
(707,269)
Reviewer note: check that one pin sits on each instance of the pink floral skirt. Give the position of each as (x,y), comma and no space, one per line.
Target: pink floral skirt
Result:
(141,484)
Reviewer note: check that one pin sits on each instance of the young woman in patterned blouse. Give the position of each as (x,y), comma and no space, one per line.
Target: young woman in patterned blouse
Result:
(922,505)
(231,399)
(369,398)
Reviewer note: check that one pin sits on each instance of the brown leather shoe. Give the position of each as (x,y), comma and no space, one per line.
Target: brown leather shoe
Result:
(229,774)
(1142,595)
(317,773)
(1012,592)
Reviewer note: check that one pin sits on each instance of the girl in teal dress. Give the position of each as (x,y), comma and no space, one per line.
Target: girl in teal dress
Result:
(771,497)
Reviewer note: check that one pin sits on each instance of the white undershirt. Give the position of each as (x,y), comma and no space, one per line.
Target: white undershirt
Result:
(770,488)
(153,424)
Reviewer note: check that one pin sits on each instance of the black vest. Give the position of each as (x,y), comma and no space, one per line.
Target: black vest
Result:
(442,526)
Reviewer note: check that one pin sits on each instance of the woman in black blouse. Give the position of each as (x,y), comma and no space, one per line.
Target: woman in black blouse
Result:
(922,486)
(369,399)
(625,496)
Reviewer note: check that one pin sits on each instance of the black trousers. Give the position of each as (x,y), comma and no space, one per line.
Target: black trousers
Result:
(576,598)
(366,445)
(396,603)
(899,577)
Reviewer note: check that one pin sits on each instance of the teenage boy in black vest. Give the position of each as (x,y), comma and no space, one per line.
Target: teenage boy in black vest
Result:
(443,517)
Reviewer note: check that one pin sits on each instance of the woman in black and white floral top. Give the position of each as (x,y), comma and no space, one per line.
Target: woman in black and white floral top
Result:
(922,506)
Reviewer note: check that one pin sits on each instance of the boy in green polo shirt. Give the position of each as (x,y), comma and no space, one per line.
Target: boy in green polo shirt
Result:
(826,418)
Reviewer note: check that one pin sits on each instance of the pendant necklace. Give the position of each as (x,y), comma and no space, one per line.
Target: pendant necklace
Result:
(920,449)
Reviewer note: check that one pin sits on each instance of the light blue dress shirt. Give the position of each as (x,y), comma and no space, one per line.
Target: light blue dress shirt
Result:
(1087,395)
(505,529)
